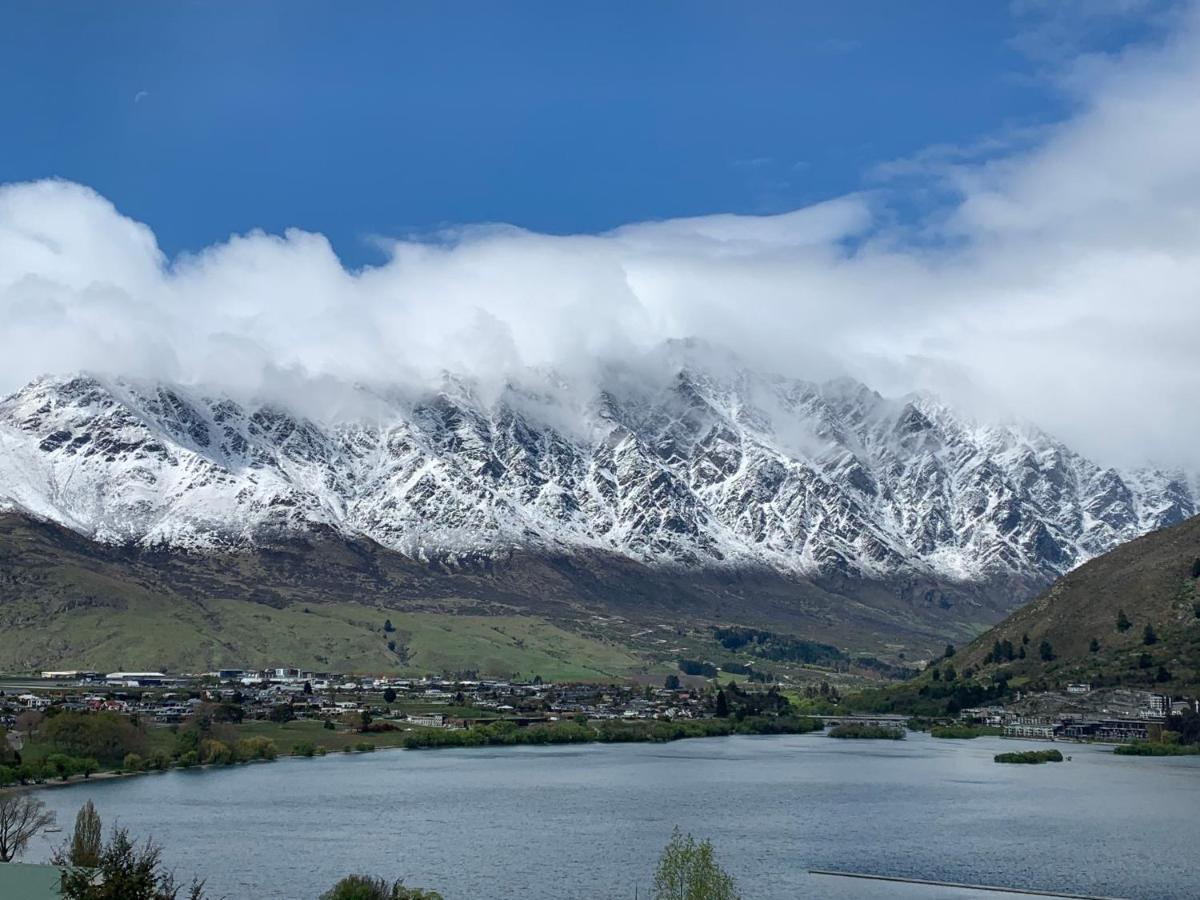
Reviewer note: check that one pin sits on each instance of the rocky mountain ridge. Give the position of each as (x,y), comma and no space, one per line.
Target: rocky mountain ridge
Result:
(712,467)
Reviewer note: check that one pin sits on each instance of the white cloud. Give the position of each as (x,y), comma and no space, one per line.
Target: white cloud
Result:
(1061,283)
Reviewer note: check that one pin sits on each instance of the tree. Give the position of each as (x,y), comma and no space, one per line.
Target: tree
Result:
(104,736)
(671,683)
(389,695)
(949,652)
(87,840)
(722,709)
(364,721)
(124,872)
(1025,638)
(1196,568)
(29,722)
(1148,635)
(1094,646)
(1046,651)
(364,887)
(689,871)
(21,817)
(1163,674)
(388,627)
(1021,652)
(1123,623)
(1145,661)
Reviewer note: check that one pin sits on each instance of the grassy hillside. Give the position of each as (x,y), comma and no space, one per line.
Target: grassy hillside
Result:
(1075,631)
(1152,580)
(66,601)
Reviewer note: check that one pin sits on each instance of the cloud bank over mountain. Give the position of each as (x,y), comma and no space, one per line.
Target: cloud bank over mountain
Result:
(1057,279)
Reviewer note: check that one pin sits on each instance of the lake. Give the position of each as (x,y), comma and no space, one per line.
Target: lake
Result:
(548,823)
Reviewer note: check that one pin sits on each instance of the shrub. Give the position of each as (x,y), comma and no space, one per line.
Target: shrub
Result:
(304,748)
(216,753)
(256,747)
(1029,757)
(867,732)
(364,887)
(159,760)
(132,763)
(364,747)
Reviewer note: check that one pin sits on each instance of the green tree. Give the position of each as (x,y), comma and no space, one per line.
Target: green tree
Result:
(671,683)
(1196,568)
(1046,651)
(124,872)
(1025,638)
(1148,636)
(21,817)
(1094,646)
(1123,623)
(388,627)
(689,871)
(364,887)
(389,695)
(61,765)
(949,652)
(722,709)
(105,736)
(87,839)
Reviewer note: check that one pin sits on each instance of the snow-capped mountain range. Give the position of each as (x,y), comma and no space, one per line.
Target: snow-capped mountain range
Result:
(715,466)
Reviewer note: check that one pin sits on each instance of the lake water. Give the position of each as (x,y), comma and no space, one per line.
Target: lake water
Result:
(550,823)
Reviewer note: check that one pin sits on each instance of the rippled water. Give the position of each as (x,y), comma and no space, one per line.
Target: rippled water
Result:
(541,823)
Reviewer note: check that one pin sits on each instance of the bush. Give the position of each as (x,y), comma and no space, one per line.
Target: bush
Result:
(159,760)
(1029,757)
(364,747)
(364,887)
(216,753)
(305,748)
(132,763)
(1146,748)
(867,732)
(189,759)
(256,747)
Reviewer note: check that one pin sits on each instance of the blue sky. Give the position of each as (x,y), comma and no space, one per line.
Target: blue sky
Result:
(998,203)
(390,118)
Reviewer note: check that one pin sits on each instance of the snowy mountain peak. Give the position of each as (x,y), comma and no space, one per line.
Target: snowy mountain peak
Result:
(716,466)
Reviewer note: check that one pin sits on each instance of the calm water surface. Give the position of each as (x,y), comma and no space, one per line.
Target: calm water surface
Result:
(544,823)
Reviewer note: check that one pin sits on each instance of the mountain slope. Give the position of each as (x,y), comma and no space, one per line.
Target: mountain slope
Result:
(707,465)
(318,599)
(1154,580)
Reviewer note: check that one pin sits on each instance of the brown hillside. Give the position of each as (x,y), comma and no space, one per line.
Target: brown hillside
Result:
(1151,579)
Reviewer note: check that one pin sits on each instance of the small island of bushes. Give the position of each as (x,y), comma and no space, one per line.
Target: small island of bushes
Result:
(1029,757)
(610,731)
(856,731)
(1148,748)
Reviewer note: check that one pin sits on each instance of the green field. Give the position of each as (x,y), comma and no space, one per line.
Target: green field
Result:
(146,634)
